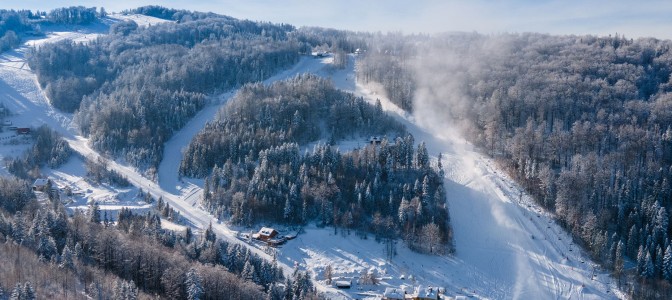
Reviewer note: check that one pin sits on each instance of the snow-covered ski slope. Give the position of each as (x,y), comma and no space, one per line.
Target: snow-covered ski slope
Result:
(507,248)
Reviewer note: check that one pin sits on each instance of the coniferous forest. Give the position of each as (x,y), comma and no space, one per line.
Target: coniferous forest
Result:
(581,122)
(256,172)
(133,88)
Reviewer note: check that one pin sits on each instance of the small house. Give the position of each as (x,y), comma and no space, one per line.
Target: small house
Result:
(40,184)
(23,130)
(7,123)
(393,294)
(343,284)
(374,140)
(266,234)
(428,293)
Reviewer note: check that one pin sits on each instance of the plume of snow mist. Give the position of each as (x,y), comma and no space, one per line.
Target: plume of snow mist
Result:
(445,71)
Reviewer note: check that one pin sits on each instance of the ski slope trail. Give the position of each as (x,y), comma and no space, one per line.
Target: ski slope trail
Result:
(168,173)
(506,246)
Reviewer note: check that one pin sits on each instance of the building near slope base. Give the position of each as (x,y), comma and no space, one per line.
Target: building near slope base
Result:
(419,293)
(394,294)
(343,284)
(265,234)
(41,184)
(428,293)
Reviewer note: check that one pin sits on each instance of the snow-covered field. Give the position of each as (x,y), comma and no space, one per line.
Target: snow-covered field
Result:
(506,246)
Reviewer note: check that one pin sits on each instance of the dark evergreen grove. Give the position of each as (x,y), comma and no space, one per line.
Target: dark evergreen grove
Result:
(133,88)
(582,122)
(257,173)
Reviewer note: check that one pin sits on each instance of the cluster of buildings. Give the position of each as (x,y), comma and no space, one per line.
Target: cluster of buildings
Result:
(19,130)
(419,293)
(271,237)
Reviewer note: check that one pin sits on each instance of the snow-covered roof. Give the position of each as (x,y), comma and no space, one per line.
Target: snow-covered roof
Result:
(40,182)
(426,293)
(343,283)
(266,231)
(393,293)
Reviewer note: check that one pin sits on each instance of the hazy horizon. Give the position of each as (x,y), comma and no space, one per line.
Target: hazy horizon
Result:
(651,19)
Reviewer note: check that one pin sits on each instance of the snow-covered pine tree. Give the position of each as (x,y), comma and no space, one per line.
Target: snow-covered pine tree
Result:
(193,285)
(94,213)
(28,291)
(17,292)
(667,264)
(648,270)
(328,273)
(641,260)
(66,258)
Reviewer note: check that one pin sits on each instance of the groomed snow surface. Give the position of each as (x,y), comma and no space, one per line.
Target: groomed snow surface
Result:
(506,246)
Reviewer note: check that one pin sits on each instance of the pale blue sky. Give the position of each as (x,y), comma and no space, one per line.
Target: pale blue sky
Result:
(632,18)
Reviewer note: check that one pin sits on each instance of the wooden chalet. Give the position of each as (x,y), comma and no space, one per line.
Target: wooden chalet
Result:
(40,184)
(265,234)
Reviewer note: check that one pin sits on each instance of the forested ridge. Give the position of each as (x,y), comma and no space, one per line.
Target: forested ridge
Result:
(49,254)
(582,122)
(17,24)
(133,88)
(257,173)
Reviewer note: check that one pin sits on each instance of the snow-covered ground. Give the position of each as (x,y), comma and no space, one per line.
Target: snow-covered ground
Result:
(141,20)
(506,246)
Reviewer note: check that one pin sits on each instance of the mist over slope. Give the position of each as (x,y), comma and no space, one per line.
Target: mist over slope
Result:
(581,122)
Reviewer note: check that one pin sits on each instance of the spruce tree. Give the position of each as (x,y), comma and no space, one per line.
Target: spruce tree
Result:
(667,264)
(94,211)
(193,285)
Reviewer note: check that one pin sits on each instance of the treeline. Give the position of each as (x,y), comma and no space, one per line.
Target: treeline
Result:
(133,88)
(76,15)
(260,175)
(178,15)
(51,255)
(49,149)
(582,122)
(13,23)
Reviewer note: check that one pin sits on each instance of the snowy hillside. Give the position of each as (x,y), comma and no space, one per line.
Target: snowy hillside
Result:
(506,246)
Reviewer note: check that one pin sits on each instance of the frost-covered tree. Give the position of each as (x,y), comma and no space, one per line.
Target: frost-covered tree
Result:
(667,264)
(194,285)
(648,270)
(67,260)
(94,213)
